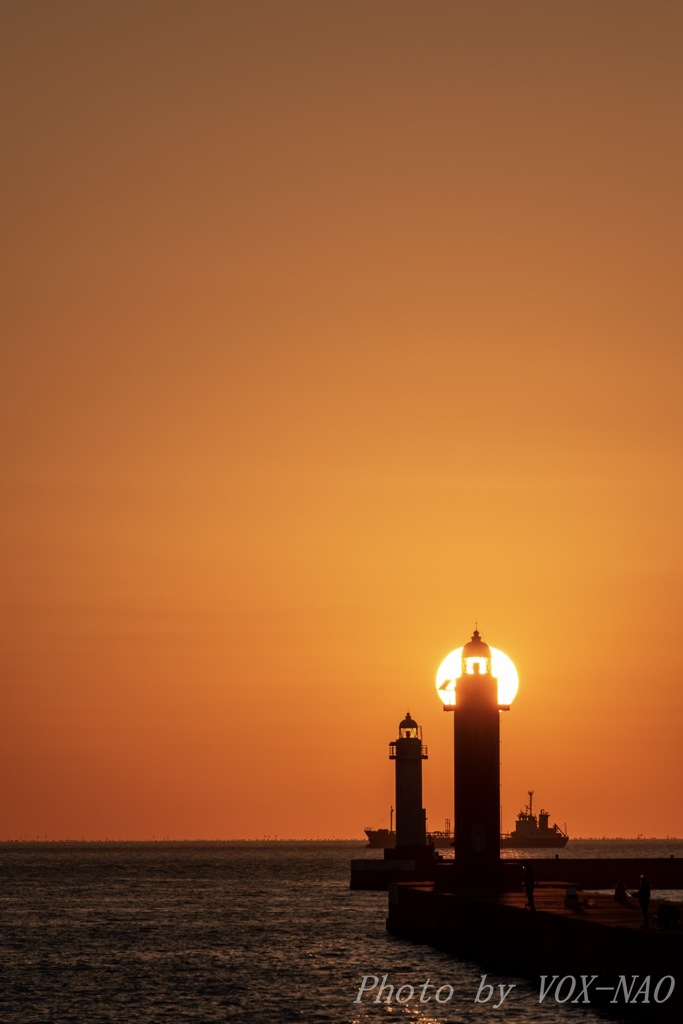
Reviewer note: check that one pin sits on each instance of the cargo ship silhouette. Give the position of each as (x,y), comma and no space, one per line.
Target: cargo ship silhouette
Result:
(530,831)
(385,838)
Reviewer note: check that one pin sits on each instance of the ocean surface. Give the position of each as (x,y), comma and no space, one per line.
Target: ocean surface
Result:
(241,932)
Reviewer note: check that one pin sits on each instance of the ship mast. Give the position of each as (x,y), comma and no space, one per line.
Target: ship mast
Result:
(531,801)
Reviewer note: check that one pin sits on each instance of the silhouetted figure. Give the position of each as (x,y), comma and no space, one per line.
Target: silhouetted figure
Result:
(620,893)
(644,899)
(529,885)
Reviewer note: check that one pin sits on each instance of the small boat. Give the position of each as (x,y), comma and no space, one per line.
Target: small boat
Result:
(385,838)
(532,831)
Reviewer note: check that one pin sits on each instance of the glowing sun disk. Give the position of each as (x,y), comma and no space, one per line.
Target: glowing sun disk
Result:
(502,668)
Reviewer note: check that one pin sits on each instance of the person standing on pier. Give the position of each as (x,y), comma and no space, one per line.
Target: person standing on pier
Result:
(644,899)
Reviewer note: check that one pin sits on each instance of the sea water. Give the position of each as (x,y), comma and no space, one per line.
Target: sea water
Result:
(245,932)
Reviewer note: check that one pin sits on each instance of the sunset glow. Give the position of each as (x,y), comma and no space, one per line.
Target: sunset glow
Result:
(328,327)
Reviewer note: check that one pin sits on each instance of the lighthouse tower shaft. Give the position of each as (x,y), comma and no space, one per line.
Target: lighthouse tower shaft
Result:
(476,720)
(409,752)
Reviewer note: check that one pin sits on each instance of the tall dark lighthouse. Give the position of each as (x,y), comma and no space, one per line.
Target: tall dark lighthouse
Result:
(408,752)
(476,718)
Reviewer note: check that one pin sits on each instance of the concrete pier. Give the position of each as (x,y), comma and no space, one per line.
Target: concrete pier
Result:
(594,948)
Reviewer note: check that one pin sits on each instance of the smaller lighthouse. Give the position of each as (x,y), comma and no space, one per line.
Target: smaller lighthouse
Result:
(409,752)
(412,857)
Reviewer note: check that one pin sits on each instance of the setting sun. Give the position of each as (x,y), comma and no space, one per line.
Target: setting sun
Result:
(502,668)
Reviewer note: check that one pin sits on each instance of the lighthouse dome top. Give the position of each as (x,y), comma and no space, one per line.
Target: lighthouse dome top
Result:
(408,729)
(476,647)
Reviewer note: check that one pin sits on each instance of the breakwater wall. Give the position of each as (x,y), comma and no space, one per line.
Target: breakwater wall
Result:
(585,873)
(593,872)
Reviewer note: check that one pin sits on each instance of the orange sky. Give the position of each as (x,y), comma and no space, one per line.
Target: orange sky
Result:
(330,329)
